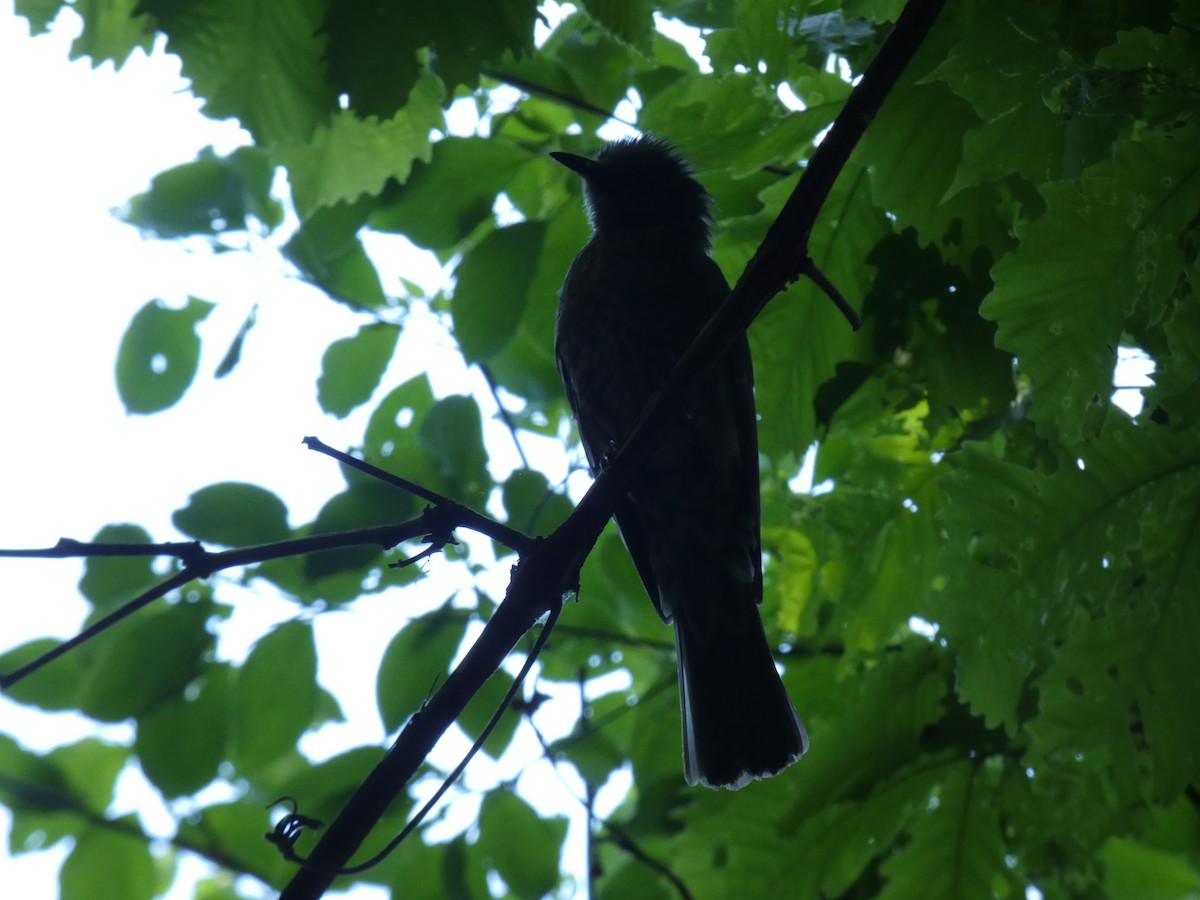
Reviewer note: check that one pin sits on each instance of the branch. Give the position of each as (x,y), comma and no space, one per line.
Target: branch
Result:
(42,799)
(436,524)
(200,563)
(540,90)
(463,516)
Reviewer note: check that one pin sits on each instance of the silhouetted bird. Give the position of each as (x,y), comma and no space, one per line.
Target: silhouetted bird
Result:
(634,299)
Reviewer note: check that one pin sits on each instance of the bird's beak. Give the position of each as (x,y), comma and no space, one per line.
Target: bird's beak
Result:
(580,165)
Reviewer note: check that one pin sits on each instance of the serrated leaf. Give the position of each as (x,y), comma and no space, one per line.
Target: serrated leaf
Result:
(957,849)
(158,356)
(260,62)
(446,198)
(630,23)
(1061,303)
(347,157)
(111,31)
(39,13)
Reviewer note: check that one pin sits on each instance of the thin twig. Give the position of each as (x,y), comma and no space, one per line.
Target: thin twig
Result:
(202,564)
(462,516)
(540,90)
(505,417)
(617,835)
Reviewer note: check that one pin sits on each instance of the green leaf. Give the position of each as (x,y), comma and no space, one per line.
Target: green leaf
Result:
(483,706)
(328,252)
(326,786)
(1099,539)
(259,62)
(55,686)
(145,659)
(393,439)
(363,504)
(181,742)
(1135,870)
(630,23)
(531,505)
(446,198)
(1062,303)
(233,514)
(237,828)
(89,769)
(159,354)
(371,50)
(493,288)
(39,13)
(787,369)
(506,822)
(351,368)
(415,663)
(957,850)
(118,861)
(207,196)
(526,363)
(274,696)
(109,581)
(111,30)
(30,783)
(452,434)
(347,157)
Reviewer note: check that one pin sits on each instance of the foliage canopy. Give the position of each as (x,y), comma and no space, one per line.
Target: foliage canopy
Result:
(988,613)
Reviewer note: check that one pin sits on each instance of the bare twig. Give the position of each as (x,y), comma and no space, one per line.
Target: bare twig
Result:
(462,516)
(201,563)
(505,417)
(540,90)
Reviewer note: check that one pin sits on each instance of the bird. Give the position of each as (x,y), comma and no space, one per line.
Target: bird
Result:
(633,300)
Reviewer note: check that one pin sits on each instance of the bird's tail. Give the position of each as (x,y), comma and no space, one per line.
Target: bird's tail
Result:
(738,721)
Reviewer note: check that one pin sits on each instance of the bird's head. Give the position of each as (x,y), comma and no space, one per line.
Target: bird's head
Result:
(642,183)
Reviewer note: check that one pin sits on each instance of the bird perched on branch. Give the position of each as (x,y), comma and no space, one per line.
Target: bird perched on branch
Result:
(634,299)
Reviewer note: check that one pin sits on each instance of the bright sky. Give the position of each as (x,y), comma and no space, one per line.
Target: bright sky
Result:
(78,143)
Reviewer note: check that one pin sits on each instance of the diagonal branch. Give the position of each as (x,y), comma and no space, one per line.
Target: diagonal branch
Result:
(435,524)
